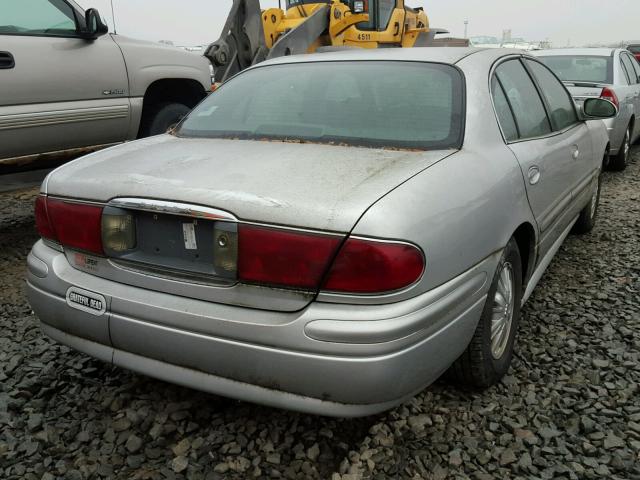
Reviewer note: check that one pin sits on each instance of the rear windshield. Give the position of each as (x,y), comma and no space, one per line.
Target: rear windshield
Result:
(634,48)
(366,103)
(581,68)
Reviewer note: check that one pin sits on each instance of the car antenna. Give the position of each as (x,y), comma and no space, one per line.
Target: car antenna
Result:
(113,16)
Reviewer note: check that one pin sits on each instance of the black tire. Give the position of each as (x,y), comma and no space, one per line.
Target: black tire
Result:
(161,117)
(620,161)
(589,214)
(478,366)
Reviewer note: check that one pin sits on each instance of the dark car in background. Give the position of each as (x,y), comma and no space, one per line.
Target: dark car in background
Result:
(634,48)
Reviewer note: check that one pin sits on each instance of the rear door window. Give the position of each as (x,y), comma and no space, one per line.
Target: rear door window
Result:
(522,95)
(503,111)
(560,103)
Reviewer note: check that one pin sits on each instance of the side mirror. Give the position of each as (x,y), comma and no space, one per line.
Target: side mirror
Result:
(598,108)
(95,27)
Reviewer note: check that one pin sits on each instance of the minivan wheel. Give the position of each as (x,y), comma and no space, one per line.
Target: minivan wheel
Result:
(487,358)
(162,117)
(587,219)
(619,162)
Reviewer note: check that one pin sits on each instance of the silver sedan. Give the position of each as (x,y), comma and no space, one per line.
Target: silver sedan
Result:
(610,73)
(325,233)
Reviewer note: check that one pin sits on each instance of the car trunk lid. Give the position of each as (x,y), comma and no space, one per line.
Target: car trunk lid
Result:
(314,186)
(584,90)
(212,185)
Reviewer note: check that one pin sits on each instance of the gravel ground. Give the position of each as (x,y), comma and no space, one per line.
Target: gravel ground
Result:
(569,409)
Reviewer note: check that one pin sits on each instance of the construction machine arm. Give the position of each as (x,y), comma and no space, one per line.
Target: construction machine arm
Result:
(251,35)
(242,42)
(299,39)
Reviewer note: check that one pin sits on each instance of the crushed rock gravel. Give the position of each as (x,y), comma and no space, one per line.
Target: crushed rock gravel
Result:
(568,409)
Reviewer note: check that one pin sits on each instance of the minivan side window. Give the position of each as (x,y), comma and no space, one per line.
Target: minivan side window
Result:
(528,109)
(37,17)
(561,107)
(503,111)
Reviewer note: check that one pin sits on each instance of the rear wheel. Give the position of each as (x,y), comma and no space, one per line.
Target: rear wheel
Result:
(161,117)
(619,162)
(587,219)
(487,358)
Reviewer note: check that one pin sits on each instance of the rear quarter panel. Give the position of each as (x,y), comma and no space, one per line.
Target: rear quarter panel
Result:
(465,207)
(458,211)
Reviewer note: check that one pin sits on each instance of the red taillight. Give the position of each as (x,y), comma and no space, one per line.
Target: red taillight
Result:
(610,95)
(42,220)
(637,55)
(74,225)
(285,258)
(366,266)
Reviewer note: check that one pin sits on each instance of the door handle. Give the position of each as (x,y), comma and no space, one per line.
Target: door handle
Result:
(576,152)
(6,61)
(534,175)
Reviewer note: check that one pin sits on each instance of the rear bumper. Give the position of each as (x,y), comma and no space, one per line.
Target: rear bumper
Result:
(328,359)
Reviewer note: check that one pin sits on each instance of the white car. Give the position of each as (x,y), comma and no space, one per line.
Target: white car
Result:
(609,73)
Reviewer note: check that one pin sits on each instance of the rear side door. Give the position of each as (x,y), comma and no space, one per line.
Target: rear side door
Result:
(58,91)
(547,147)
(586,164)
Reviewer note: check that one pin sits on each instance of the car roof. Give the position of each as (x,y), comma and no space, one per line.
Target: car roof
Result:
(600,52)
(448,55)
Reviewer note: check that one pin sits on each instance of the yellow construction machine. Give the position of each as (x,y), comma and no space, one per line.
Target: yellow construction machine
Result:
(251,35)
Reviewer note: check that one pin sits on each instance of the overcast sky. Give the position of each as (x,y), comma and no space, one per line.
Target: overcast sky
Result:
(574,22)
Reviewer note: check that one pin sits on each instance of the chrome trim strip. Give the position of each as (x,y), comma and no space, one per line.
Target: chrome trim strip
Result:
(172,208)
(27,120)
